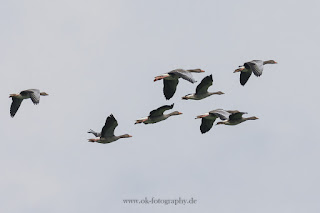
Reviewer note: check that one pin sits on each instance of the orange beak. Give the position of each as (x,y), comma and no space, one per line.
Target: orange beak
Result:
(157,78)
(238,70)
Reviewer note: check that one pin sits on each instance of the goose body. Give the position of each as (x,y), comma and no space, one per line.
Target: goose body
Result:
(254,66)
(171,80)
(236,118)
(107,132)
(202,90)
(209,118)
(33,94)
(157,115)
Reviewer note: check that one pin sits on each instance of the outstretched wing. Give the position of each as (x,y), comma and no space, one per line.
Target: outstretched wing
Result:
(33,93)
(186,75)
(160,110)
(16,102)
(220,113)
(169,87)
(235,115)
(244,76)
(204,85)
(97,134)
(256,66)
(206,124)
(110,125)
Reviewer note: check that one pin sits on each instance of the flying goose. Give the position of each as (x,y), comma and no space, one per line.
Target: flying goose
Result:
(107,133)
(255,66)
(235,118)
(202,90)
(171,80)
(33,94)
(209,118)
(157,115)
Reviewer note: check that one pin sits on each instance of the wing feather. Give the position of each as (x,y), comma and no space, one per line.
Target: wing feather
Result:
(169,87)
(244,76)
(256,66)
(160,110)
(16,102)
(186,75)
(206,124)
(110,125)
(204,85)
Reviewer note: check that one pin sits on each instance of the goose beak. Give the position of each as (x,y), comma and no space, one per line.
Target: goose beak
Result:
(238,70)
(157,78)
(200,116)
(180,113)
(202,71)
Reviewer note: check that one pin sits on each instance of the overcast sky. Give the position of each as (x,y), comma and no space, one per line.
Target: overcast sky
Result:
(99,57)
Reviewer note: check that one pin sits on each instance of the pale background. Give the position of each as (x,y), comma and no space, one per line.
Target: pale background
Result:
(99,57)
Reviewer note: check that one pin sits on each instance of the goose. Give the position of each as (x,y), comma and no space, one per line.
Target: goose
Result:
(255,66)
(171,80)
(202,90)
(235,118)
(209,118)
(33,94)
(107,132)
(157,115)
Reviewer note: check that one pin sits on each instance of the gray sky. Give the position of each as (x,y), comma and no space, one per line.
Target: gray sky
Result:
(96,57)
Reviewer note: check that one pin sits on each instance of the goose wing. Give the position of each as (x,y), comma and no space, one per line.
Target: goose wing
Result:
(33,93)
(244,76)
(204,85)
(169,87)
(206,123)
(110,125)
(220,113)
(16,102)
(256,66)
(160,110)
(97,134)
(235,115)
(186,75)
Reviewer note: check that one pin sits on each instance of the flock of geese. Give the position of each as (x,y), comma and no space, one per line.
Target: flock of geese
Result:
(170,82)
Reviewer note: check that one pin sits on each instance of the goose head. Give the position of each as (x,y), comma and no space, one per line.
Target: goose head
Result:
(43,94)
(218,93)
(157,78)
(13,95)
(239,69)
(186,97)
(252,118)
(175,113)
(270,62)
(125,136)
(202,116)
(141,120)
(93,140)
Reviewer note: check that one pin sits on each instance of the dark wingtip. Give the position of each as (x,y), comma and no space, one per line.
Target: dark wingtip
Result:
(203,131)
